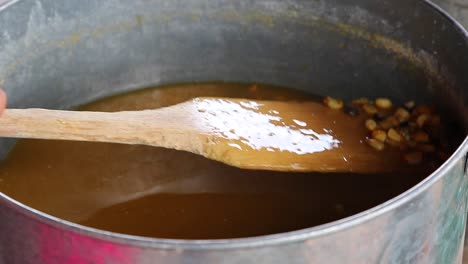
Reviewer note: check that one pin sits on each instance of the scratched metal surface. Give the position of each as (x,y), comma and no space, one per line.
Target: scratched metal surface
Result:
(60,53)
(458,9)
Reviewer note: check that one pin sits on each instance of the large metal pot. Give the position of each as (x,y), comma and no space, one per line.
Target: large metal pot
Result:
(57,54)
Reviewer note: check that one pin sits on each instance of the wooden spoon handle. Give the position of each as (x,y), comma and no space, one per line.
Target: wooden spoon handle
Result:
(160,127)
(66,125)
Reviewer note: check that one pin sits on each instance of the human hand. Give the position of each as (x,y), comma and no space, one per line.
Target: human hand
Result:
(3,100)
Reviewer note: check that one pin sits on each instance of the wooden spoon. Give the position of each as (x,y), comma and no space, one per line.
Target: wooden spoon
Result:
(266,135)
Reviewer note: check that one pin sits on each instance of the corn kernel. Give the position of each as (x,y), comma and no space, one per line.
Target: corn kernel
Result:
(402,115)
(371,125)
(379,135)
(421,120)
(405,133)
(333,103)
(389,122)
(394,135)
(375,144)
(360,101)
(423,109)
(410,105)
(393,120)
(393,143)
(383,103)
(369,109)
(421,136)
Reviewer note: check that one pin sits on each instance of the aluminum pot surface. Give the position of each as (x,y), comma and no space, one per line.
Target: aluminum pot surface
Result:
(57,54)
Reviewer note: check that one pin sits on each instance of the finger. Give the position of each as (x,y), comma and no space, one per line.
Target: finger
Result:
(3,100)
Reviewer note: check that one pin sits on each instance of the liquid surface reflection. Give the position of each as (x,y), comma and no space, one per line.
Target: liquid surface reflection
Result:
(253,125)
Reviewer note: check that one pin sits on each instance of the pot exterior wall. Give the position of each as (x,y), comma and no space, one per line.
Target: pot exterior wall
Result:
(426,229)
(57,54)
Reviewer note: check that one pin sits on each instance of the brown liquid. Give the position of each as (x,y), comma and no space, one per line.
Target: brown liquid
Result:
(164,193)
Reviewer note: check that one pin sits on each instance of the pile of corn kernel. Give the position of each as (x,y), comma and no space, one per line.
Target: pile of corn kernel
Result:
(414,129)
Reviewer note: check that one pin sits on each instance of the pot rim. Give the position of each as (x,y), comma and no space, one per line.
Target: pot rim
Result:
(258,241)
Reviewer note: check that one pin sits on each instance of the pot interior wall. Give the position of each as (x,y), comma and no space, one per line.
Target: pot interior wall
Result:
(61,54)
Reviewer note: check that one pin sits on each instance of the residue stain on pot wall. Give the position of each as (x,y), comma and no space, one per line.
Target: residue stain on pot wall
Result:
(37,30)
